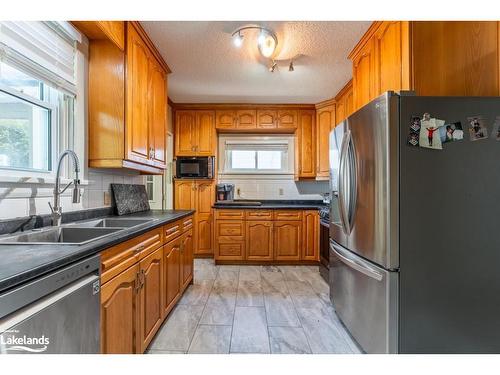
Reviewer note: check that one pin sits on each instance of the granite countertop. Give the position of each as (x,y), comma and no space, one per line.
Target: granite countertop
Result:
(276,204)
(22,262)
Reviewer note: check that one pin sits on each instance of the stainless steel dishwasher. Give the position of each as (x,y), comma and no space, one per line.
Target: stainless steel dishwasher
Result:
(56,313)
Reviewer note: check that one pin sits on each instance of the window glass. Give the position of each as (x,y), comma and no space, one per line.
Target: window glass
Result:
(243,159)
(269,159)
(24,134)
(20,81)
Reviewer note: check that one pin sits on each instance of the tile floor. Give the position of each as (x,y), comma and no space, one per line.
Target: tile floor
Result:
(254,309)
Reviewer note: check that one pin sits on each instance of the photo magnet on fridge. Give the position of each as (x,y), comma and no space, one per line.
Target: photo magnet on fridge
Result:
(496,129)
(477,128)
(413,135)
(429,133)
(451,132)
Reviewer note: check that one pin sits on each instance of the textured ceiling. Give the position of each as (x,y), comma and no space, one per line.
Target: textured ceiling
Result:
(207,68)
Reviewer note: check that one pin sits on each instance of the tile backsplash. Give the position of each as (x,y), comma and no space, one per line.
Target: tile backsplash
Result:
(277,189)
(24,199)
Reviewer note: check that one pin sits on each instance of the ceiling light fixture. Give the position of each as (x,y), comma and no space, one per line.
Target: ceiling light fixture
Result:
(290,67)
(267,40)
(273,66)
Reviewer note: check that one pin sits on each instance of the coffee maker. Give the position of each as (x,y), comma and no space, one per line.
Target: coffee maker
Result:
(225,192)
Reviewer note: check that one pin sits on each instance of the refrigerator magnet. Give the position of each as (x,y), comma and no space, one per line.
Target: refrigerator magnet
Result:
(413,134)
(451,132)
(429,133)
(477,128)
(496,129)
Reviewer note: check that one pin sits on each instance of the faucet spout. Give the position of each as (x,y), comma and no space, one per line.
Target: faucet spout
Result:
(56,206)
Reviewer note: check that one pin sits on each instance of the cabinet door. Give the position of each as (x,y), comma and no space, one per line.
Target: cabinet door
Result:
(171,274)
(340,110)
(184,195)
(151,294)
(119,313)
(137,80)
(267,119)
(229,239)
(325,121)
(225,119)
(310,242)
(205,133)
(363,73)
(287,240)
(246,119)
(306,139)
(389,57)
(185,133)
(287,119)
(205,197)
(259,240)
(186,258)
(158,117)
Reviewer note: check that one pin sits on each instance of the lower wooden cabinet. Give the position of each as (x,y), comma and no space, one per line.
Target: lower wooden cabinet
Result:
(186,258)
(136,299)
(259,240)
(151,291)
(287,240)
(119,313)
(266,235)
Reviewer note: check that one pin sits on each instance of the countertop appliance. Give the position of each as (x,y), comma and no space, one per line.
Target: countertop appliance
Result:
(225,193)
(324,243)
(195,167)
(414,250)
(55,313)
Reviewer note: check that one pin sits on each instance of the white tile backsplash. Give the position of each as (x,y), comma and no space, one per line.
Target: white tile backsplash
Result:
(269,189)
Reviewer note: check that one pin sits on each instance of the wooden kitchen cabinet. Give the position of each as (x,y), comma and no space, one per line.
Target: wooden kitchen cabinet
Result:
(287,240)
(119,312)
(325,121)
(306,144)
(267,118)
(310,236)
(103,30)
(186,259)
(198,195)
(127,103)
(236,119)
(230,239)
(171,274)
(195,133)
(343,103)
(151,293)
(259,240)
(277,119)
(363,74)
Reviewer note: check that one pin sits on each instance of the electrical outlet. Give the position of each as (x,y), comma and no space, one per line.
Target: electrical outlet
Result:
(107,198)
(280,191)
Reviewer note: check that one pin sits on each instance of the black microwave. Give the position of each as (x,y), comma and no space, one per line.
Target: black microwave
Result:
(194,167)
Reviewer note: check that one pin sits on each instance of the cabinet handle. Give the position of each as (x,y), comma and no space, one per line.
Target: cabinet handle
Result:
(142,278)
(172,230)
(139,248)
(137,282)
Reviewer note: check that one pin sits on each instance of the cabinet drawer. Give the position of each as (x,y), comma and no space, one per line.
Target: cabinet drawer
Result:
(187,223)
(229,214)
(234,229)
(230,250)
(118,258)
(259,215)
(287,215)
(172,230)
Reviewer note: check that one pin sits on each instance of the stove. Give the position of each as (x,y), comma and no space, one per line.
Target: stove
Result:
(324,243)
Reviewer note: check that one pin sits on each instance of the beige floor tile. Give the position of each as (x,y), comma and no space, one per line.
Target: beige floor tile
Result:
(210,339)
(288,340)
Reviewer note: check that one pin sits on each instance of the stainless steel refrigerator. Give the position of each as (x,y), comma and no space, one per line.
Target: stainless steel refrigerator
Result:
(415,232)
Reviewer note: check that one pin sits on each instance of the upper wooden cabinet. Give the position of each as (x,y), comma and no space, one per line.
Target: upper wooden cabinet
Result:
(344,103)
(127,104)
(432,58)
(195,133)
(277,119)
(100,30)
(306,144)
(236,119)
(325,121)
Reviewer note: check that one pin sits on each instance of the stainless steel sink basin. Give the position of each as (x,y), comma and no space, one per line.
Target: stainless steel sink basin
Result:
(112,223)
(69,235)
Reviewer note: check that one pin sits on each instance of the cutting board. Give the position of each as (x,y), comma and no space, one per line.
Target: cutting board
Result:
(130,198)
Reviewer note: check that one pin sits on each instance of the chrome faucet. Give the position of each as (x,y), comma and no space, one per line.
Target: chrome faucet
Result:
(56,206)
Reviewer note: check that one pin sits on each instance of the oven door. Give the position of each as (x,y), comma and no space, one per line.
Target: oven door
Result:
(365,298)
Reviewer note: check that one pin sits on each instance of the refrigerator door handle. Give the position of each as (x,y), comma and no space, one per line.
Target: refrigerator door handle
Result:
(353,188)
(342,182)
(356,264)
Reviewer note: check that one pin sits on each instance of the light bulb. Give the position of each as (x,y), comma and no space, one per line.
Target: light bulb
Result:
(268,46)
(262,38)
(238,40)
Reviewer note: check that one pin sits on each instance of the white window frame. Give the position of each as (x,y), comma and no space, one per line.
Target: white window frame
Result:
(288,157)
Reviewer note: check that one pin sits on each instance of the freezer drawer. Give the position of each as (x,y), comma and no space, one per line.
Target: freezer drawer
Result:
(365,298)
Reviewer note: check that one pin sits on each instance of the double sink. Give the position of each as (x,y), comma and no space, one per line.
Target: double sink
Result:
(78,233)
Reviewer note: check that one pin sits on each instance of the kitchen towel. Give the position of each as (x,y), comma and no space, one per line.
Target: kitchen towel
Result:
(130,198)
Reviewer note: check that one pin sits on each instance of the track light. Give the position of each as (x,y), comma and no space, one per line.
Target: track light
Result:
(238,39)
(290,67)
(273,66)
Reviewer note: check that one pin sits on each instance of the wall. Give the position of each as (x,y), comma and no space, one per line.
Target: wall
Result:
(280,189)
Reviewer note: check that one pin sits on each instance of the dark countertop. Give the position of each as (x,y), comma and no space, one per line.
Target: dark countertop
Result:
(22,262)
(277,205)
